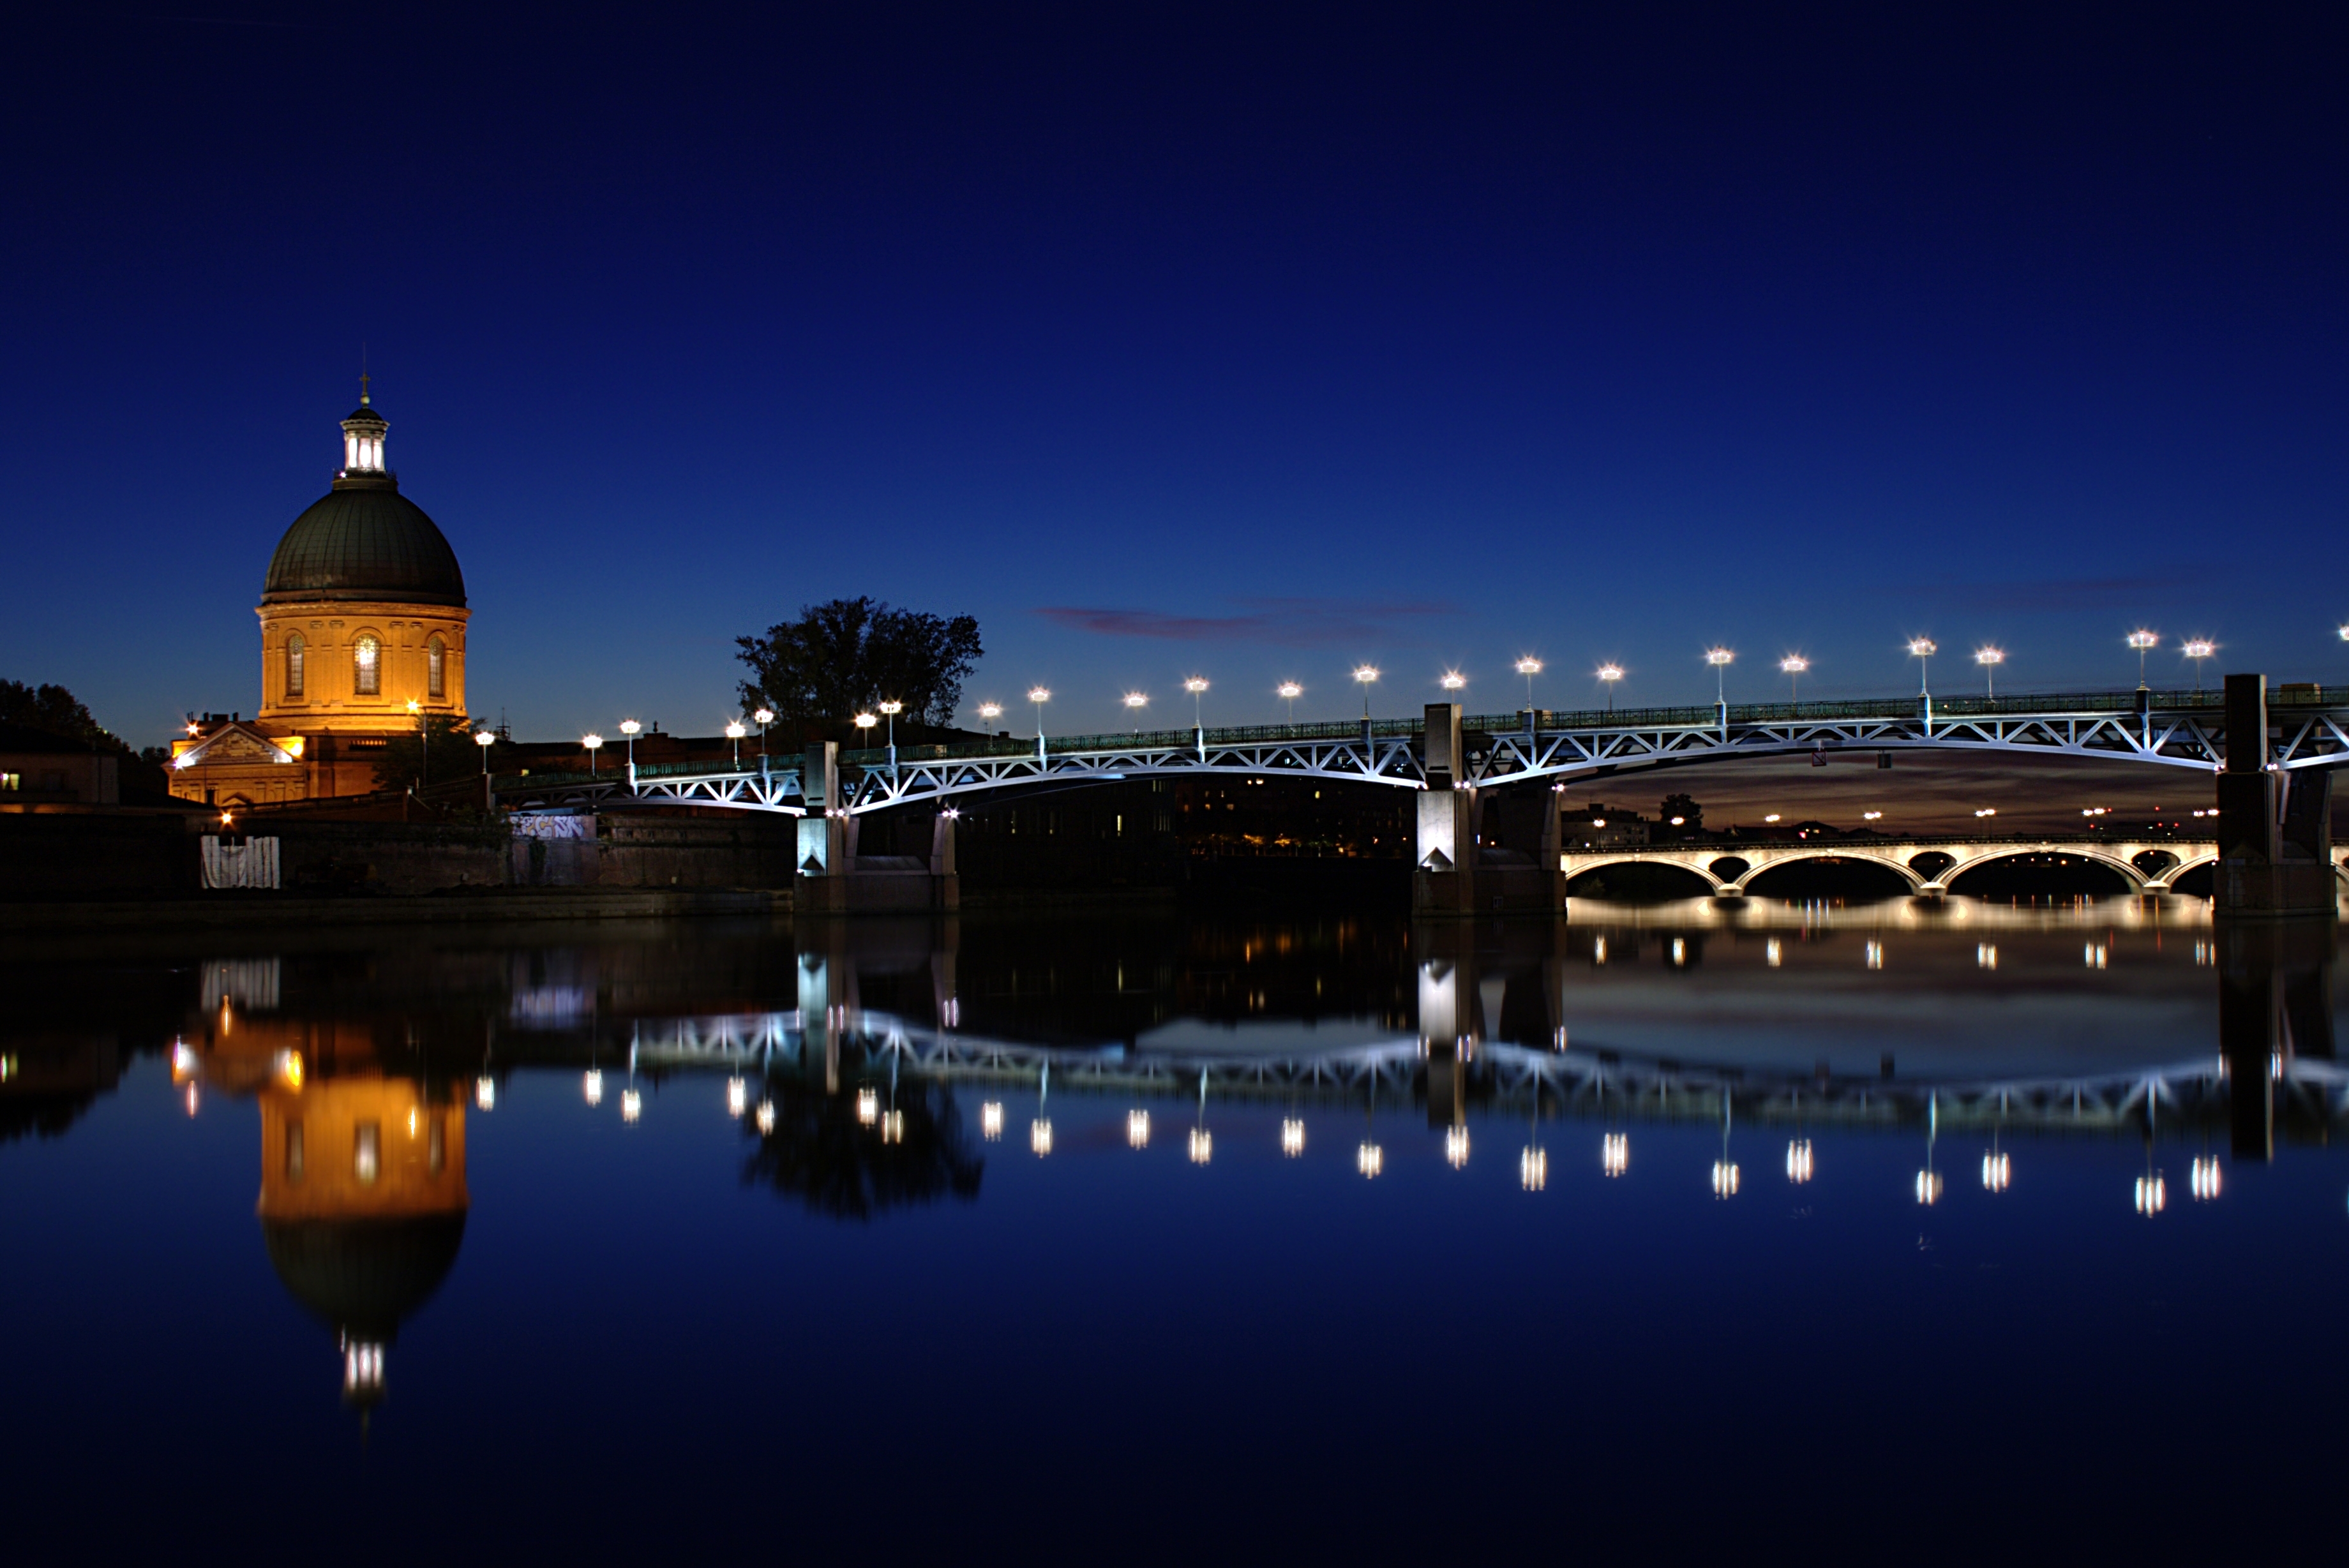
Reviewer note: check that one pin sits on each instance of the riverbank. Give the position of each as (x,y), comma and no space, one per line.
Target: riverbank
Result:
(223,910)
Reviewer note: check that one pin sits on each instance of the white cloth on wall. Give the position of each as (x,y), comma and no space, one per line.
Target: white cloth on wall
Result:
(532,825)
(252,864)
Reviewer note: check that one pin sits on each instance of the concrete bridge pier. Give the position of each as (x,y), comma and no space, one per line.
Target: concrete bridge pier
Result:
(828,1004)
(833,878)
(2275,829)
(2275,1005)
(1443,874)
(1449,1024)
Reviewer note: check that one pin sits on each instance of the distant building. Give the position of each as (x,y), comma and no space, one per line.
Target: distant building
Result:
(363,624)
(1602,827)
(40,769)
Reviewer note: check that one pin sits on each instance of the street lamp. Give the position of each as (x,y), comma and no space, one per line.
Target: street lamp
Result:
(865,722)
(1792,667)
(2144,643)
(1452,680)
(735,731)
(1719,659)
(1290,691)
(484,739)
(1196,685)
(593,743)
(1922,650)
(1366,674)
(423,745)
(990,711)
(1608,676)
(1529,666)
(893,707)
(765,715)
(1134,703)
(630,727)
(2198,649)
(1039,696)
(1989,659)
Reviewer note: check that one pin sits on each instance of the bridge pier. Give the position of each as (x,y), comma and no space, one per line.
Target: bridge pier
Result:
(834,878)
(2275,828)
(1448,998)
(1443,862)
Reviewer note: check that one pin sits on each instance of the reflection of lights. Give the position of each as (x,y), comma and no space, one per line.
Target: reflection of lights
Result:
(1455,1146)
(766,1116)
(1772,953)
(1137,1130)
(868,1106)
(1798,1160)
(1292,1136)
(1040,1137)
(1986,954)
(1533,1169)
(990,1119)
(183,1062)
(632,1104)
(1998,1172)
(1203,1145)
(362,1367)
(2203,1180)
(191,1100)
(2093,955)
(738,1095)
(1370,1160)
(2150,1195)
(1598,950)
(1680,952)
(485,1092)
(1724,1179)
(1875,954)
(593,1086)
(289,1067)
(1929,1187)
(893,1126)
(1615,1153)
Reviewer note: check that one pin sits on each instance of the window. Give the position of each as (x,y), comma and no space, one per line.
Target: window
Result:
(436,660)
(366,1152)
(293,1151)
(366,665)
(294,648)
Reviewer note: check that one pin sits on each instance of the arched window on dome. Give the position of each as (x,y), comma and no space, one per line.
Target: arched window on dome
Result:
(435,661)
(367,667)
(295,650)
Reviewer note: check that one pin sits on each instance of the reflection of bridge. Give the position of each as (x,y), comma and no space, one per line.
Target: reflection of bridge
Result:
(2169,729)
(1927,865)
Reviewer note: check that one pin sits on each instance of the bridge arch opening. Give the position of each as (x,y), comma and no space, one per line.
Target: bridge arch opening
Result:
(1830,877)
(1729,868)
(2153,863)
(2033,874)
(1932,863)
(2195,883)
(1639,882)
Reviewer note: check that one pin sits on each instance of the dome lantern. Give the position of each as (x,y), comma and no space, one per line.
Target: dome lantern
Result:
(363,442)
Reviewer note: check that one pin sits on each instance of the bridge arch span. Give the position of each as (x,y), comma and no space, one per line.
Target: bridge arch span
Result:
(1807,854)
(2119,863)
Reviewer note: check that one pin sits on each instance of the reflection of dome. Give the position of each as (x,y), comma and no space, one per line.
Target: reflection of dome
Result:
(364,540)
(364,1276)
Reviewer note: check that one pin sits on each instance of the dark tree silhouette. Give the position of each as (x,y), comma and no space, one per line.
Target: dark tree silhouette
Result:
(841,657)
(447,743)
(53,710)
(819,1153)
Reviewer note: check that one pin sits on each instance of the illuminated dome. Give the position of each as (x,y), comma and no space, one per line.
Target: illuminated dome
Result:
(365,1277)
(362,539)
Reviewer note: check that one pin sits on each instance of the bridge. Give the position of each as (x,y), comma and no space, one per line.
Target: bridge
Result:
(2306,729)
(1928,865)
(2274,853)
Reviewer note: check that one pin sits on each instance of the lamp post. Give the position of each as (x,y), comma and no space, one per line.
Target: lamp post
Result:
(2144,643)
(1608,676)
(735,731)
(893,707)
(631,728)
(866,722)
(765,715)
(1039,696)
(484,739)
(423,745)
(1134,703)
(1529,666)
(1197,685)
(1289,692)
(990,711)
(2198,649)
(593,743)
(1792,667)
(1366,674)
(1719,659)
(1989,659)
(1922,650)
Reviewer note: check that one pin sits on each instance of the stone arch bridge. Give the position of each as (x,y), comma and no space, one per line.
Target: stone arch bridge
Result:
(1928,865)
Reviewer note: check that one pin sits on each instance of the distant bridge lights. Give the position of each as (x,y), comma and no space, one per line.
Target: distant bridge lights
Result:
(2152,1195)
(1134,703)
(1197,686)
(485,739)
(1533,1167)
(1724,1179)
(737,1097)
(1929,1187)
(2204,1179)
(892,709)
(1040,1137)
(2198,649)
(1799,1164)
(1202,1146)
(1609,673)
(765,715)
(1137,1130)
(593,743)
(766,1116)
(990,1120)
(1039,696)
(990,711)
(1987,811)
(1792,667)
(1615,1153)
(631,728)
(735,730)
(1989,659)
(1456,1147)
(592,1086)
(1292,1136)
(1922,650)
(1289,692)
(1370,1160)
(1998,1170)
(1452,680)
(2144,642)
(1529,666)
(1365,674)
(1719,659)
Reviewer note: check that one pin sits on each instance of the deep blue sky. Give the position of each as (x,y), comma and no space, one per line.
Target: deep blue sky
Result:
(1161,342)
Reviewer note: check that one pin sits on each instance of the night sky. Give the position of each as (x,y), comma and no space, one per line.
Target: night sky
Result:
(1168,343)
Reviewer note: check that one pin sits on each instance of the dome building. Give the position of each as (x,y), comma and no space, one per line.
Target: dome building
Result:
(362,631)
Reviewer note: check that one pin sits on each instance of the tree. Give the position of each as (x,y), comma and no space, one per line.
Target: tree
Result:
(445,751)
(53,710)
(1681,806)
(840,658)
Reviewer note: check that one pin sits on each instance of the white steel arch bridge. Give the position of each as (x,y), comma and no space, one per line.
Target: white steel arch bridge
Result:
(2307,728)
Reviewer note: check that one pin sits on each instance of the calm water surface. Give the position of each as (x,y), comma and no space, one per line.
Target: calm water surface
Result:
(1888,1230)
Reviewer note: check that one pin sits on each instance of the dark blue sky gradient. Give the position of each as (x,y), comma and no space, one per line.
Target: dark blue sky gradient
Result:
(1163,342)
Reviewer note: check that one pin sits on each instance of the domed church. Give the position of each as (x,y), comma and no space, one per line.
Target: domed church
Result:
(362,631)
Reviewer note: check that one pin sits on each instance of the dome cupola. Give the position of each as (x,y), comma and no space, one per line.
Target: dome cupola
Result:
(362,539)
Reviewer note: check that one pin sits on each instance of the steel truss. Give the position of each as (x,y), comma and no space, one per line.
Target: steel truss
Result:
(2189,736)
